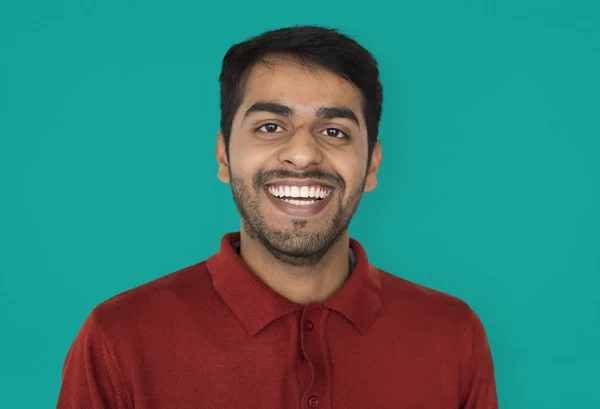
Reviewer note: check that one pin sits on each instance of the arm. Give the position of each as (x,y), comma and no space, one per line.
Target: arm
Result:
(478,385)
(90,378)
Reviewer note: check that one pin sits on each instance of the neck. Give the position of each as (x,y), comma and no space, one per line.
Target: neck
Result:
(300,285)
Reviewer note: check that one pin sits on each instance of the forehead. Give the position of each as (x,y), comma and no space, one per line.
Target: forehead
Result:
(303,88)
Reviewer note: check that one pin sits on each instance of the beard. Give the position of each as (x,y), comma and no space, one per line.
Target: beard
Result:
(295,245)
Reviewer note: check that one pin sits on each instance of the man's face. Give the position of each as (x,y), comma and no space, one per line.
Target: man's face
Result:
(297,159)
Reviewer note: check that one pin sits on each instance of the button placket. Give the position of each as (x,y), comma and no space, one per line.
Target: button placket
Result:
(315,349)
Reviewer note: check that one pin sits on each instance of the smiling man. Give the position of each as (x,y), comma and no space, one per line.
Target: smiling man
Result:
(289,313)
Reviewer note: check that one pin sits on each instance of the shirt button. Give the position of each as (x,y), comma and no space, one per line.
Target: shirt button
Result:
(308,325)
(313,402)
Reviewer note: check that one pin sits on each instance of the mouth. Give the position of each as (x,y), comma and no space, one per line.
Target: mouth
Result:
(299,200)
(300,195)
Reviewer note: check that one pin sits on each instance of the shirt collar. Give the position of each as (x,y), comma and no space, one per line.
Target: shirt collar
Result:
(256,305)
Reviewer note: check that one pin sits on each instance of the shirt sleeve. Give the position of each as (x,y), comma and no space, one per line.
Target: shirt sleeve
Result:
(477,374)
(89,377)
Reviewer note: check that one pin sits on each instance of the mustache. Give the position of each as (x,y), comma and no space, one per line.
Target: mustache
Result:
(264,176)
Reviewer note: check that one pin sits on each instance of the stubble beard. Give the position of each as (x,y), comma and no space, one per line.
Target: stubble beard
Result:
(294,246)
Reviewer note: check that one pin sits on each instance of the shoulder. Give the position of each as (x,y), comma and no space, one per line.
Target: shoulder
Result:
(425,304)
(154,302)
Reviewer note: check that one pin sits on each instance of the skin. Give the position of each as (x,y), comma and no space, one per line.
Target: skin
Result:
(304,259)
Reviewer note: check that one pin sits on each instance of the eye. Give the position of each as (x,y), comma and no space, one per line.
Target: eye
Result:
(269,128)
(335,133)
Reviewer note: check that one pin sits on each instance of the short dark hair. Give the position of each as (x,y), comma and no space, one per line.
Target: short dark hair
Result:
(309,45)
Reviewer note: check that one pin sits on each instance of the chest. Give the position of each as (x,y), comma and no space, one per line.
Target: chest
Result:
(306,367)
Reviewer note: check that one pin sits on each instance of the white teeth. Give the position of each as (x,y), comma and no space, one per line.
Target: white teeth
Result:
(303,192)
(300,202)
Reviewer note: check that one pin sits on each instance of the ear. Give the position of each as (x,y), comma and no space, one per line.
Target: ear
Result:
(371,179)
(223,172)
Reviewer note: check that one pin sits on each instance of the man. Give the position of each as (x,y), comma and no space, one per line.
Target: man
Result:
(289,313)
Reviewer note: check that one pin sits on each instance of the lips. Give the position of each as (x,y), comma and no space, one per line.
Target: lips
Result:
(297,203)
(299,193)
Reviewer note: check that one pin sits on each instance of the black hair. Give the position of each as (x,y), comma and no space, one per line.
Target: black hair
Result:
(310,46)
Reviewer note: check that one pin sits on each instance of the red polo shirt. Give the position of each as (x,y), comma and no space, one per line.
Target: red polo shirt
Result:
(213,335)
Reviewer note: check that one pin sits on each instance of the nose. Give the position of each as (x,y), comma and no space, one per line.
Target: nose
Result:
(301,151)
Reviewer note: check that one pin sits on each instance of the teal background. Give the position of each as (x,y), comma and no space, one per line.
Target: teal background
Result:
(489,189)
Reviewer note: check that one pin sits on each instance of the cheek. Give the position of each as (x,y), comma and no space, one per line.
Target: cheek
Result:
(352,169)
(247,163)
(244,161)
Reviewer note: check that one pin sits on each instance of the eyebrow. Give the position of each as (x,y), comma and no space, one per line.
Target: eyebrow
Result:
(284,110)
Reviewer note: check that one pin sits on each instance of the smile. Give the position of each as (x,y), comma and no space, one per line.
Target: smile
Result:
(300,195)
(300,200)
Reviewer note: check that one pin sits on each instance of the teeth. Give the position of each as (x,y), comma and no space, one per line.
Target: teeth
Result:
(300,202)
(304,192)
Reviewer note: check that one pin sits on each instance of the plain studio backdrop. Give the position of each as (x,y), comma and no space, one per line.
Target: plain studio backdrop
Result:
(489,188)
